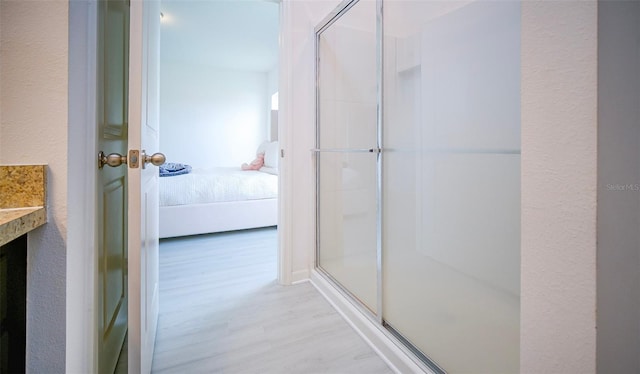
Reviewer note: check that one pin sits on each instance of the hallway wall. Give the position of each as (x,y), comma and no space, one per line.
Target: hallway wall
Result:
(33,129)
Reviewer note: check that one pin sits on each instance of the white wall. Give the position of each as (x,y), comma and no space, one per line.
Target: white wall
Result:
(618,341)
(211,117)
(272,82)
(559,134)
(33,128)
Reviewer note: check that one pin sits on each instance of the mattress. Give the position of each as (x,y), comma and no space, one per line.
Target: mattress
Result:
(213,185)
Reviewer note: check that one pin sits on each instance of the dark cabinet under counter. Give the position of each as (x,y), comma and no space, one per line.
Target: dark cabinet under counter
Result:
(13,305)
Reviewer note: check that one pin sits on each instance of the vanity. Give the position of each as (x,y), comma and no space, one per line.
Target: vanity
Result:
(22,209)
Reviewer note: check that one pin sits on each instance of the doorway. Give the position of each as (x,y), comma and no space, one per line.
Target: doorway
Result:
(219,131)
(218,119)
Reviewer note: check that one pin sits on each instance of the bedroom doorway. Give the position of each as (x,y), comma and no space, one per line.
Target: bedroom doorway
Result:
(219,119)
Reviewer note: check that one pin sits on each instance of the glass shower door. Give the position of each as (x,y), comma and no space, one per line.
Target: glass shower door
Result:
(346,152)
(418,212)
(451,181)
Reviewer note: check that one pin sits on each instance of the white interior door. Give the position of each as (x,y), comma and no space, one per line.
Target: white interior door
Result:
(143,183)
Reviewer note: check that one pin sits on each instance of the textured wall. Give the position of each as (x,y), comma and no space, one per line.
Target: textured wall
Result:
(33,128)
(559,133)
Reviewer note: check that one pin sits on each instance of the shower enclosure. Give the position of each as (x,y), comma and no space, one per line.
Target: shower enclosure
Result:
(418,174)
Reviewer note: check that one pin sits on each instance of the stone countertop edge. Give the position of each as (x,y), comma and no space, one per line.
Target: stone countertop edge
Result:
(22,200)
(17,222)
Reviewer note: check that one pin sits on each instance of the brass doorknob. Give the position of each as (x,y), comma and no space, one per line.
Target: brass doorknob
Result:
(156,159)
(112,159)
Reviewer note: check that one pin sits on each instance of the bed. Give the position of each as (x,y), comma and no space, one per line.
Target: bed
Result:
(217,199)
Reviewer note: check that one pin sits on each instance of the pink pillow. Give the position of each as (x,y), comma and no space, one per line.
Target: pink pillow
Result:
(255,164)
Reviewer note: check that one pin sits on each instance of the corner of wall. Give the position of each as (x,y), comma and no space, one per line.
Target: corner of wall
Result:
(559,179)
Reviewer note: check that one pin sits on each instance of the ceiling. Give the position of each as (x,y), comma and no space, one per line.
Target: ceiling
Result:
(227,34)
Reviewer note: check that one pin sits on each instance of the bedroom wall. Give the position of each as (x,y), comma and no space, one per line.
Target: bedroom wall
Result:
(272,117)
(272,81)
(211,117)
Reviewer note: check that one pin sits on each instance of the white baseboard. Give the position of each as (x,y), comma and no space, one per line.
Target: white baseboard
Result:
(385,345)
(299,276)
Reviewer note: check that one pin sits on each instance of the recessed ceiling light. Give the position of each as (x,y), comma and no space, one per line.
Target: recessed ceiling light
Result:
(165,18)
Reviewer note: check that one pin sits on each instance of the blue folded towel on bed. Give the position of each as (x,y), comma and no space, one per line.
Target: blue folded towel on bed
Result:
(171,169)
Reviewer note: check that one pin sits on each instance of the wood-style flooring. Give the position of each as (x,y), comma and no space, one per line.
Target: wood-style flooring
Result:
(222,311)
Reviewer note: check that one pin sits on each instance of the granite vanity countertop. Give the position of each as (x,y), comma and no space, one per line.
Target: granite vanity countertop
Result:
(19,221)
(22,200)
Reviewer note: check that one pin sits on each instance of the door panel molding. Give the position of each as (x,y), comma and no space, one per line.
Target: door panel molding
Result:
(114,191)
(112,52)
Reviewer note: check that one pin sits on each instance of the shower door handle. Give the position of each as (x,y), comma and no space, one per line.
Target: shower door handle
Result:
(346,150)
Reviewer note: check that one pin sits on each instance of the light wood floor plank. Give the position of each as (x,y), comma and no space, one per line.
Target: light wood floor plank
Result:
(222,311)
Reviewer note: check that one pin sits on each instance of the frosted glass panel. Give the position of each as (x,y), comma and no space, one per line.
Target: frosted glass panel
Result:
(347,178)
(451,181)
(347,222)
(347,80)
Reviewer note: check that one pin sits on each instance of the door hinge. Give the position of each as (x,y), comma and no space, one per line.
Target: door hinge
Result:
(134,158)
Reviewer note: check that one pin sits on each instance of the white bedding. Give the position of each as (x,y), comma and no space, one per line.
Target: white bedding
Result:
(212,185)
